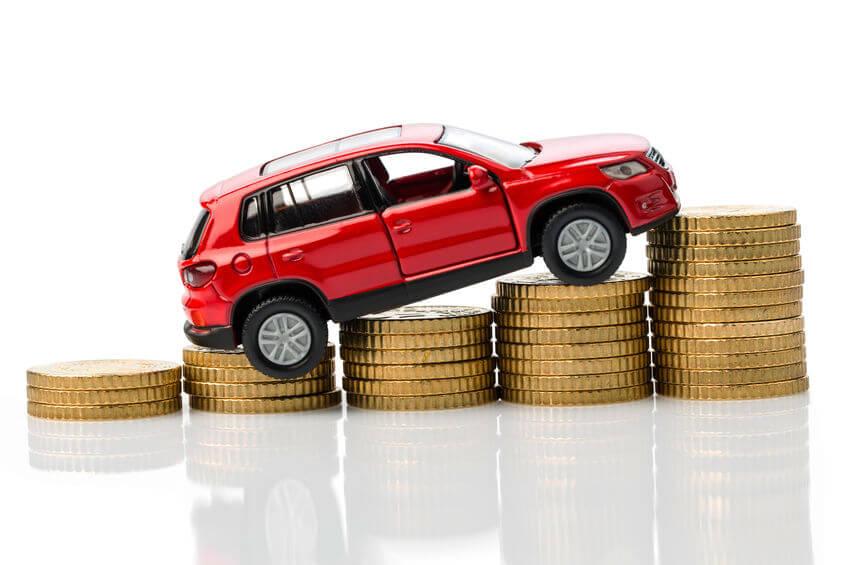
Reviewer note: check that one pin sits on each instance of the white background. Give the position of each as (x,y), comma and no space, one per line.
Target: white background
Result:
(115,116)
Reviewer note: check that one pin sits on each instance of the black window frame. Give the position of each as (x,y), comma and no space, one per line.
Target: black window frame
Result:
(192,243)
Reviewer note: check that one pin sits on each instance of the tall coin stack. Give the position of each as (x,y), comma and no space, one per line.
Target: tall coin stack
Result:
(113,389)
(561,344)
(224,381)
(727,303)
(419,358)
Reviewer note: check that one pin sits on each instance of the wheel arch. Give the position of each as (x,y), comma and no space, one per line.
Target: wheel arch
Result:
(285,287)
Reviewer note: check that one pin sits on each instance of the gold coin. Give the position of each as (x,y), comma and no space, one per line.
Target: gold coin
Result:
(300,387)
(731,377)
(417,356)
(266,405)
(729,346)
(226,359)
(720,238)
(730,217)
(421,319)
(105,412)
(415,341)
(575,366)
(578,397)
(249,375)
(103,374)
(728,299)
(571,335)
(729,330)
(575,382)
(547,286)
(566,305)
(434,402)
(577,320)
(103,397)
(730,284)
(416,372)
(724,315)
(423,387)
(729,253)
(573,351)
(734,392)
(725,268)
(740,361)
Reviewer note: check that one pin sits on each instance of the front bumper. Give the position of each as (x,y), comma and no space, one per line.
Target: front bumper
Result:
(213,337)
(658,222)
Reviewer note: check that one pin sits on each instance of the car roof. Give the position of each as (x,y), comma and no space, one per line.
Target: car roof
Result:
(407,134)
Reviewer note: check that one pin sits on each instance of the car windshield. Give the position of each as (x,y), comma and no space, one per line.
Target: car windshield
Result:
(508,154)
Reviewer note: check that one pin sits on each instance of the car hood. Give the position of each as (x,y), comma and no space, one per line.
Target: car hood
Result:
(603,147)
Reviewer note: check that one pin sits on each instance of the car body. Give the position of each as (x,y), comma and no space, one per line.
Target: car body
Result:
(387,217)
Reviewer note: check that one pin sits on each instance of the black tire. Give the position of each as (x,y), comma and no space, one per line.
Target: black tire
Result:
(564,217)
(278,305)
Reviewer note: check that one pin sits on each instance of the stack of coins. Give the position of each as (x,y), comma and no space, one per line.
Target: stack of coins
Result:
(727,303)
(419,358)
(224,381)
(561,344)
(113,389)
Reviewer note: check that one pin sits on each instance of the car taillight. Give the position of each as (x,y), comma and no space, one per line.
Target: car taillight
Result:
(199,275)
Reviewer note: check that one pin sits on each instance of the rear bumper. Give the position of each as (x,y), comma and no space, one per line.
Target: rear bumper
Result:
(213,337)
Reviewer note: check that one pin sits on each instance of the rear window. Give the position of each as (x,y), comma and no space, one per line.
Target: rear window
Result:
(193,241)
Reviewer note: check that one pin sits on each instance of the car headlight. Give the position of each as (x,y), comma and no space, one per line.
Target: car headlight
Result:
(626,170)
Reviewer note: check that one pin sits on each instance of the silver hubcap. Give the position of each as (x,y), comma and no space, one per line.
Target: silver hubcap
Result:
(584,245)
(285,339)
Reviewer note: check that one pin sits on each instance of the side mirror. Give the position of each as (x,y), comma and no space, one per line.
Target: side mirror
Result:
(480,179)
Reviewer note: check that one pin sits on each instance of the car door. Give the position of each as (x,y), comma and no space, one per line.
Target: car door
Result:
(434,219)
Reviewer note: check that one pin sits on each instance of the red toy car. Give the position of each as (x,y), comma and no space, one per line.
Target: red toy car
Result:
(395,215)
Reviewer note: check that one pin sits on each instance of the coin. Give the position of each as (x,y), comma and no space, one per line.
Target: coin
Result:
(423,387)
(571,335)
(547,286)
(730,284)
(723,315)
(575,382)
(725,268)
(729,217)
(419,371)
(730,377)
(103,374)
(573,351)
(229,359)
(575,366)
(415,341)
(266,405)
(721,238)
(575,397)
(576,320)
(249,375)
(726,300)
(729,253)
(417,356)
(104,412)
(433,402)
(100,397)
(299,387)
(566,305)
(734,392)
(740,361)
(421,319)
(729,330)
(729,346)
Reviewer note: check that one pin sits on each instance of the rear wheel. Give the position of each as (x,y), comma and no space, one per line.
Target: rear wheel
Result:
(583,244)
(284,337)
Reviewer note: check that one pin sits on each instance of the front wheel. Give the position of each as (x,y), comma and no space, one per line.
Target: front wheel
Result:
(583,244)
(284,337)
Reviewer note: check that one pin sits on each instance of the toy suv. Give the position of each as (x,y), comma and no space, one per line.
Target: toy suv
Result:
(395,215)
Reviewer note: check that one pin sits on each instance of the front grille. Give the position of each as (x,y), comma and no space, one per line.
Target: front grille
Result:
(656,157)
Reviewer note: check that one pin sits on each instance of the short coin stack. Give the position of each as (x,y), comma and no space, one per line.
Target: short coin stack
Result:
(561,344)
(113,389)
(727,303)
(419,358)
(224,381)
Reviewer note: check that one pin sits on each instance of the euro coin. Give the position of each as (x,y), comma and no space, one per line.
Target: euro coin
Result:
(101,397)
(433,402)
(103,374)
(724,315)
(729,346)
(729,253)
(547,305)
(573,351)
(104,412)
(574,366)
(571,335)
(730,217)
(228,359)
(730,377)
(725,268)
(417,356)
(734,392)
(729,330)
(722,238)
(730,284)
(580,397)
(266,405)
(575,382)
(419,371)
(726,299)
(415,341)
(739,361)
(421,319)
(547,286)
(249,375)
(423,387)
(577,320)
(298,387)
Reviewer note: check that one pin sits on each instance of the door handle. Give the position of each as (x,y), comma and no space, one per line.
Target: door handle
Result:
(402,226)
(293,255)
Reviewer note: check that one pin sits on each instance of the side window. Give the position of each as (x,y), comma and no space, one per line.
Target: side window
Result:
(326,196)
(406,177)
(251,221)
(283,211)
(403,165)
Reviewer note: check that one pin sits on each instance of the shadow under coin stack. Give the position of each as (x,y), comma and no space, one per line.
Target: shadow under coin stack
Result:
(561,344)
(419,358)
(727,303)
(113,389)
(224,381)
